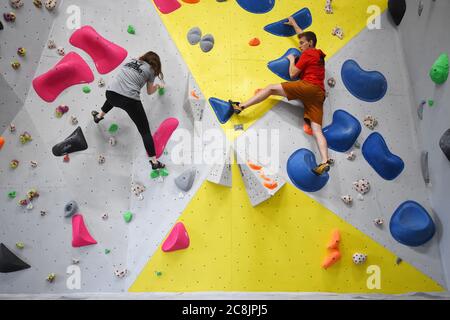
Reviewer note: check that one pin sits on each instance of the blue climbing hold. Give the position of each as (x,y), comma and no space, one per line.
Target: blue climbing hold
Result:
(302,17)
(257,6)
(280,66)
(377,154)
(369,86)
(299,169)
(343,131)
(222,109)
(411,224)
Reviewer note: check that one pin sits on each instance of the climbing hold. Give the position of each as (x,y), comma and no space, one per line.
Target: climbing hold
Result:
(194,35)
(163,134)
(107,251)
(71,70)
(370,122)
(335,240)
(12,194)
(369,86)
(303,18)
(154,174)
(113,128)
(20,245)
(80,234)
(43,213)
(411,224)
(66,158)
(50,4)
(73,120)
(362,186)
(127,216)
(1,26)
(101,159)
(430,102)
(32,194)
(254,42)
(9,262)
(37,3)
(70,209)
(254,166)
(331,259)
(256,6)
(191,1)
(167,6)
(14,164)
(158,273)
(22,51)
(424,166)
(51,44)
(51,277)
(12,127)
(112,141)
(343,131)
(351,156)
(178,239)
(23,202)
(444,144)
(15,65)
(357,145)
(420,109)
(2,142)
(121,273)
(101,82)
(359,258)
(207,43)
(9,16)
(161,91)
(397,9)
(25,137)
(299,169)
(347,199)
(75,261)
(440,69)
(16,4)
(222,109)
(186,180)
(61,51)
(420,8)
(398,260)
(61,110)
(380,158)
(105,216)
(338,32)
(328,7)
(280,66)
(131,29)
(30,206)
(137,189)
(378,221)
(163,172)
(331,82)
(73,143)
(86,89)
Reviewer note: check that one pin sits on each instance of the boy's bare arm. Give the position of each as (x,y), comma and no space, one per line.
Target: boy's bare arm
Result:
(293,23)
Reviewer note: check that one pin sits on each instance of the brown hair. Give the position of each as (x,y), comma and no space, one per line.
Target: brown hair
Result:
(310,36)
(153,60)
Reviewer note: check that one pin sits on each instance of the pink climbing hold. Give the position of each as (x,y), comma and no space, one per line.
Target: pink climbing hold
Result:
(167,6)
(69,71)
(163,134)
(80,234)
(178,239)
(106,55)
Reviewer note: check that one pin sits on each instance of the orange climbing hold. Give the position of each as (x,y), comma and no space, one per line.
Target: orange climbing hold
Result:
(331,259)
(191,1)
(254,42)
(271,185)
(253,166)
(194,95)
(335,240)
(263,176)
(2,142)
(308,130)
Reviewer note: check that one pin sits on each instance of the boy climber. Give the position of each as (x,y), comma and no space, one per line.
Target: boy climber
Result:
(310,89)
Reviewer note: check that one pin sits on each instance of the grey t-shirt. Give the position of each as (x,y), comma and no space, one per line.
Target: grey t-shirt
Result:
(131,78)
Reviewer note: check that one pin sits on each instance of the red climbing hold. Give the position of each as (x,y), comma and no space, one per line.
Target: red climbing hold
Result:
(178,239)
(254,42)
(2,142)
(163,134)
(80,234)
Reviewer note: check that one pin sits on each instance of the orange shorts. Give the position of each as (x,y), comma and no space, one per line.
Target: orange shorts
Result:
(311,95)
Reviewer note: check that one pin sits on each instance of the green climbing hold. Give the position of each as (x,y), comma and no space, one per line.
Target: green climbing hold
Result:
(131,29)
(439,70)
(113,128)
(20,245)
(430,102)
(163,172)
(86,89)
(12,194)
(158,273)
(127,216)
(154,174)
(161,91)
(107,251)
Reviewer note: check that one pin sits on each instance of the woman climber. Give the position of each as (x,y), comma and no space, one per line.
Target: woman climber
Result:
(310,89)
(124,92)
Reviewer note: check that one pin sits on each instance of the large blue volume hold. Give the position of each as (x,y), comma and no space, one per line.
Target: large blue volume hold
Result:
(299,169)
(280,66)
(303,18)
(343,131)
(256,6)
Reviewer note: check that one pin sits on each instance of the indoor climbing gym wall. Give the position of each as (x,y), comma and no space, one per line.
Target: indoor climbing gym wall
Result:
(82,211)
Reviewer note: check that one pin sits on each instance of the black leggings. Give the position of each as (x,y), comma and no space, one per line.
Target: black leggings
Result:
(136,111)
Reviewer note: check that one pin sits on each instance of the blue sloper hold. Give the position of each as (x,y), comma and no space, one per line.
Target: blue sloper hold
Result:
(343,131)
(280,66)
(369,86)
(9,262)
(222,108)
(256,6)
(303,18)
(377,154)
(299,169)
(411,224)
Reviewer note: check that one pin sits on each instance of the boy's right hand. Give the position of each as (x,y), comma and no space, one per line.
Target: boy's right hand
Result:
(291,22)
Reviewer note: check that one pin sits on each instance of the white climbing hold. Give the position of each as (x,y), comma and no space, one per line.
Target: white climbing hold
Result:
(378,221)
(101,82)
(30,206)
(16,4)
(50,4)
(137,189)
(351,156)
(33,164)
(181,195)
(362,186)
(112,141)
(75,261)
(121,273)
(347,199)
(73,120)
(12,127)
(51,44)
(338,32)
(101,159)
(370,122)
(61,51)
(105,216)
(359,258)
(360,197)
(328,7)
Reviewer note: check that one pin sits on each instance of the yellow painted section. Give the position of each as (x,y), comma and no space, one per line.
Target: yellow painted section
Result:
(233,69)
(276,247)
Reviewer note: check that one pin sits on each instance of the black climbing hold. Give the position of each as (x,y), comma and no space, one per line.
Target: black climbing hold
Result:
(73,143)
(397,9)
(424,165)
(9,262)
(444,144)
(1,25)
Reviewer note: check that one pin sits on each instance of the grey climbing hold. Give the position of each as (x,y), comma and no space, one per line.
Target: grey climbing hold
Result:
(420,109)
(70,209)
(194,35)
(186,180)
(207,43)
(424,165)
(420,8)
(444,144)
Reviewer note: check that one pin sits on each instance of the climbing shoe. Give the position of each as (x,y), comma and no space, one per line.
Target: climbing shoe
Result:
(236,106)
(157,165)
(96,118)
(321,168)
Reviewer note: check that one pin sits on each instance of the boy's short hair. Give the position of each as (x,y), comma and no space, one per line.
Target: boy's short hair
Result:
(310,36)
